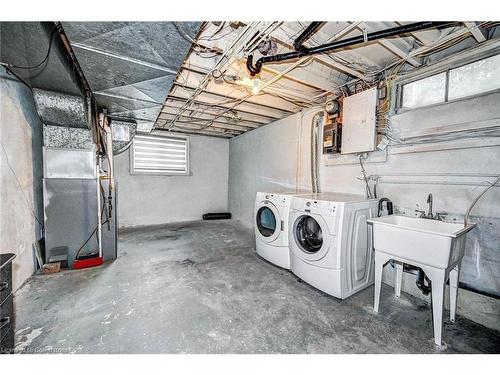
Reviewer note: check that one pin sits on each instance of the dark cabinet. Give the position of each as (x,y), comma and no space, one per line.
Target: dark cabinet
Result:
(6,304)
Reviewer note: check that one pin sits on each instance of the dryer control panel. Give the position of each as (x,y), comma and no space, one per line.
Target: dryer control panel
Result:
(278,199)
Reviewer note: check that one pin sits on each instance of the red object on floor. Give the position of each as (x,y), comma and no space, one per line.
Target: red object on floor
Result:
(85,263)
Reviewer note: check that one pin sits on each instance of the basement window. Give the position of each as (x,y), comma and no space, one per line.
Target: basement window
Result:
(476,78)
(455,83)
(159,155)
(427,91)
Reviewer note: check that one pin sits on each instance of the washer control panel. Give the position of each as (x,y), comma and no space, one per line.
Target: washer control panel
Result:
(320,206)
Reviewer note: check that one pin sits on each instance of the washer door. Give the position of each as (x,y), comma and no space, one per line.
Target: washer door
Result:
(311,237)
(267,222)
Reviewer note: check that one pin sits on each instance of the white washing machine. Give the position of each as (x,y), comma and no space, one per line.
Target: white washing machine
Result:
(271,227)
(331,243)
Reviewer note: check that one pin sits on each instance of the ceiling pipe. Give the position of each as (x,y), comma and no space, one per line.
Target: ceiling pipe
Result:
(330,47)
(306,34)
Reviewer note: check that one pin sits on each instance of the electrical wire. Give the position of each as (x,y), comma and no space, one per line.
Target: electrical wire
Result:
(365,178)
(97,226)
(28,203)
(185,36)
(10,71)
(467,214)
(40,63)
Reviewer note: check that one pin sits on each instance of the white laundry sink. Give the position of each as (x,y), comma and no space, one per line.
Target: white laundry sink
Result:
(431,242)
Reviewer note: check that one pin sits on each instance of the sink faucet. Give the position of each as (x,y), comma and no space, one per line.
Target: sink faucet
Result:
(429,215)
(429,201)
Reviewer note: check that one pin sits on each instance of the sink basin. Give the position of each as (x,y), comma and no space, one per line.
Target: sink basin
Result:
(431,242)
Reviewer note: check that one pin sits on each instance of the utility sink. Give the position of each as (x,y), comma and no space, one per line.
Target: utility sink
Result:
(431,242)
(434,246)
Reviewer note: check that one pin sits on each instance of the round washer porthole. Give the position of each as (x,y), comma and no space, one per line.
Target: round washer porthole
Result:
(308,234)
(266,221)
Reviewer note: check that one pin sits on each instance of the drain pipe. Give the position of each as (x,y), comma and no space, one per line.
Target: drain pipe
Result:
(306,34)
(315,127)
(340,44)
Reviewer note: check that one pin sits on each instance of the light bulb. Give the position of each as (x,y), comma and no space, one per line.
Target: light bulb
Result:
(255,86)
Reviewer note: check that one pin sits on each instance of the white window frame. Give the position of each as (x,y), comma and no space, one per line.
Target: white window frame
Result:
(444,66)
(133,170)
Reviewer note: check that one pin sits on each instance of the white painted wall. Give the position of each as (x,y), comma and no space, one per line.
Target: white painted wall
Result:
(276,157)
(150,199)
(21,137)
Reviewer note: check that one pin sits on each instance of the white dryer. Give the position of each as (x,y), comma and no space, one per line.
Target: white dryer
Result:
(331,243)
(271,227)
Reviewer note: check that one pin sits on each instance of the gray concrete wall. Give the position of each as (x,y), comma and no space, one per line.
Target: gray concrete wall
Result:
(21,196)
(276,157)
(149,199)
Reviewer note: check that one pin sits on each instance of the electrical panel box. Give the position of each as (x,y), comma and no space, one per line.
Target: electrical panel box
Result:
(331,138)
(359,122)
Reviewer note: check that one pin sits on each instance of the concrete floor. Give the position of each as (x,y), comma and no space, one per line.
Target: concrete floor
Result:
(199,287)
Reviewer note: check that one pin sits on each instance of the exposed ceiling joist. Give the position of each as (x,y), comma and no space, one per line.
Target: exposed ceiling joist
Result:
(249,116)
(205,116)
(189,122)
(476,32)
(191,126)
(245,37)
(234,98)
(426,37)
(202,121)
(195,132)
(396,45)
(308,77)
(215,99)
(192,77)
(283,37)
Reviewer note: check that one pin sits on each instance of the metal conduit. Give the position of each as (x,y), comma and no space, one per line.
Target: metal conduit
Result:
(315,126)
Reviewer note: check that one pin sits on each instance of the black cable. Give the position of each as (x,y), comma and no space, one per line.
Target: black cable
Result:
(88,239)
(40,63)
(18,77)
(21,188)
(97,226)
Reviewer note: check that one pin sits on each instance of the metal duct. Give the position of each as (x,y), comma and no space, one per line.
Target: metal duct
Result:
(315,133)
(60,109)
(131,66)
(26,44)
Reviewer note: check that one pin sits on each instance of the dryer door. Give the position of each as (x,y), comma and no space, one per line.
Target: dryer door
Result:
(267,222)
(311,238)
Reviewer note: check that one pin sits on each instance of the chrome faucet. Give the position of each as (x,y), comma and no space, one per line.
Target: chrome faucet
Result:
(429,201)
(429,215)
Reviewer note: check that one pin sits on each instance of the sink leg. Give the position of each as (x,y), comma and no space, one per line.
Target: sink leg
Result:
(380,260)
(399,278)
(437,283)
(454,276)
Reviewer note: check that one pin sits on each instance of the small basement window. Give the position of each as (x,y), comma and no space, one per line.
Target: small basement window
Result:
(476,78)
(427,91)
(464,81)
(155,154)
